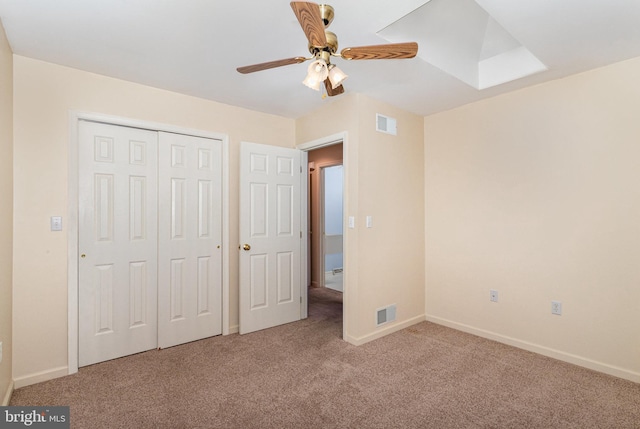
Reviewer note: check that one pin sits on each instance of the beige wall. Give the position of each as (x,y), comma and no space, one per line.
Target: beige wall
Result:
(330,155)
(384,179)
(6,210)
(44,95)
(536,194)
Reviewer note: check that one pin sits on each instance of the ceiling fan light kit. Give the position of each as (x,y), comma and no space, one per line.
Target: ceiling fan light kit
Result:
(336,76)
(317,72)
(314,19)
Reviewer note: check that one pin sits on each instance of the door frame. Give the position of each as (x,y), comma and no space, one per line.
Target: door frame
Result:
(341,137)
(72,215)
(321,210)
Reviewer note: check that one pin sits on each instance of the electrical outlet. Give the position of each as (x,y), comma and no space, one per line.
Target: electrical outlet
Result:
(556,308)
(493,295)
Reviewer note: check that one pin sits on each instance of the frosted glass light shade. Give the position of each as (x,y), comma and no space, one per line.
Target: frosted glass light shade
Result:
(336,77)
(316,74)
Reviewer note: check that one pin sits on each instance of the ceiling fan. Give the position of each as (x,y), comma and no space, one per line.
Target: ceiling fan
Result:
(323,44)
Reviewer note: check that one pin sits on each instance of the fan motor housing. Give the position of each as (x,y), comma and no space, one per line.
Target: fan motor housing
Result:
(331,46)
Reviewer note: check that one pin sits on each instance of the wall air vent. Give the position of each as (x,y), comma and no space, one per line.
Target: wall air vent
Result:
(385,124)
(385,315)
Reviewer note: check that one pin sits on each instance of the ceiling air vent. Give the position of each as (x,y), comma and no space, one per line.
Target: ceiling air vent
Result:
(385,124)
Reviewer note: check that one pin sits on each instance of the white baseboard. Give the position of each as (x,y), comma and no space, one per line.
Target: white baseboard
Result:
(358,341)
(234,329)
(7,395)
(545,351)
(39,377)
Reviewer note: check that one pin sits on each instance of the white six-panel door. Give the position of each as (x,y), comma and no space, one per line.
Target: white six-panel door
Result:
(149,236)
(117,270)
(270,236)
(190,239)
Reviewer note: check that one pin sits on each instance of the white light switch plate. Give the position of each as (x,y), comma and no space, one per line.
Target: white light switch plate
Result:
(352,222)
(56,223)
(369,221)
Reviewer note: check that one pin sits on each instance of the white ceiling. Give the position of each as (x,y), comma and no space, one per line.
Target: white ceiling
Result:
(194,46)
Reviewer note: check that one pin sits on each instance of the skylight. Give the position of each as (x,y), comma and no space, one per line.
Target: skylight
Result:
(462,39)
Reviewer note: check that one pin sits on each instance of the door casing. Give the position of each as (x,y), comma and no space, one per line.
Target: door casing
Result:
(321,215)
(323,219)
(329,140)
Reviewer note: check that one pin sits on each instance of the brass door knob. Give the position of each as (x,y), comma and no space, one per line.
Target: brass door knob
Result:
(83,255)
(246,247)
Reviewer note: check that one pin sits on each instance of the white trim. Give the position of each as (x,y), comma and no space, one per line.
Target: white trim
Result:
(386,331)
(145,125)
(320,166)
(7,395)
(545,351)
(39,377)
(330,140)
(323,141)
(72,245)
(72,222)
(304,234)
(226,247)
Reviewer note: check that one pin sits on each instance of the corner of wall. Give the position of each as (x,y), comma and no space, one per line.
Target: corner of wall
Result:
(6,216)
(7,396)
(358,341)
(534,193)
(541,350)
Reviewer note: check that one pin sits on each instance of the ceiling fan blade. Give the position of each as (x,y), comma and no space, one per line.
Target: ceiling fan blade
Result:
(310,20)
(331,91)
(270,65)
(392,51)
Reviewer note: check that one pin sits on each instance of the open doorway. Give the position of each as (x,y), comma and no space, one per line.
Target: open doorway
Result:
(332,179)
(326,219)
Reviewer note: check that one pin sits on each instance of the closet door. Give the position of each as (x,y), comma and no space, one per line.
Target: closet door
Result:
(190,239)
(117,241)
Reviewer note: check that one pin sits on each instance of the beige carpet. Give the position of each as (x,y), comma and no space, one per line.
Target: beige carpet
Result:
(302,375)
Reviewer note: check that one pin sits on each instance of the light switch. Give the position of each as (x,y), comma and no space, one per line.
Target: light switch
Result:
(352,222)
(369,221)
(56,223)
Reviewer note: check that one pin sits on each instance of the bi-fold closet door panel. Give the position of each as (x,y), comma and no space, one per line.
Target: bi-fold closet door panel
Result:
(149,240)
(190,238)
(118,243)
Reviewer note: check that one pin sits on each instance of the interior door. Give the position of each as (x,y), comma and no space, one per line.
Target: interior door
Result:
(270,236)
(117,242)
(190,239)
